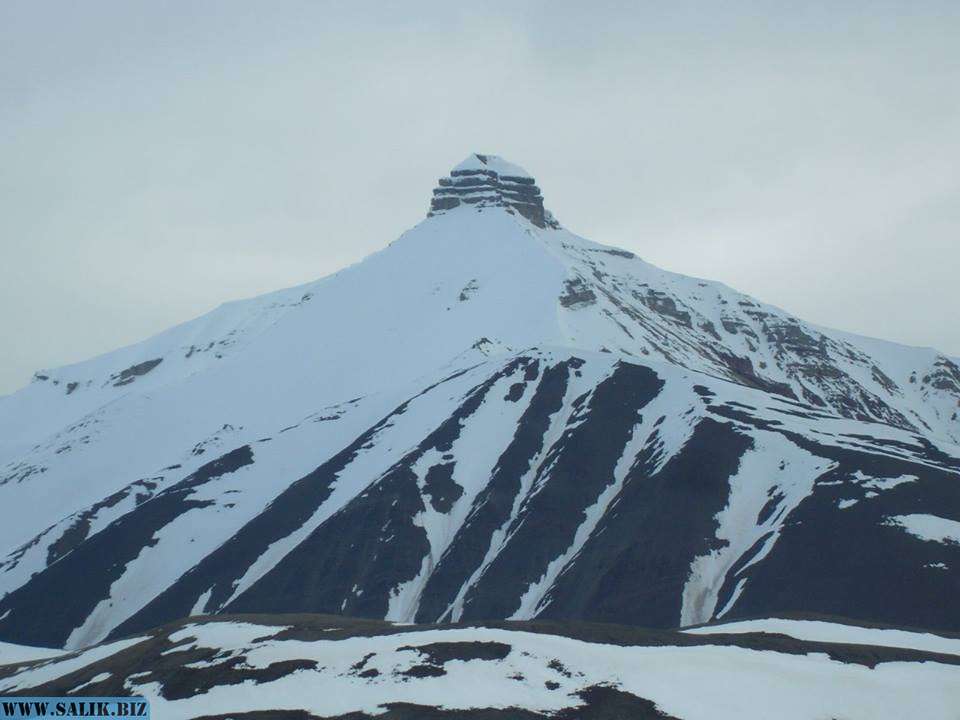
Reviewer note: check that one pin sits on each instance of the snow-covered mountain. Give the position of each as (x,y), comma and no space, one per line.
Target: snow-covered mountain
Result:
(333,667)
(490,418)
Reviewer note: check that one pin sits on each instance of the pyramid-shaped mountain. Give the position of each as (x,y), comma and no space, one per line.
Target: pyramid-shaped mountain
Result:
(491,418)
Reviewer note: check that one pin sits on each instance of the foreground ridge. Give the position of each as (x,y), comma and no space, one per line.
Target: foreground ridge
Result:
(338,667)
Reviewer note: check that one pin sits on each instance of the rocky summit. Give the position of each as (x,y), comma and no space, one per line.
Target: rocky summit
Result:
(482,181)
(490,420)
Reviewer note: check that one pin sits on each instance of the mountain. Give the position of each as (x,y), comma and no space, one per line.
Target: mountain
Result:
(491,418)
(294,666)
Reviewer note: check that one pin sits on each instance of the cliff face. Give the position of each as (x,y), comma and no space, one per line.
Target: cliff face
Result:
(484,181)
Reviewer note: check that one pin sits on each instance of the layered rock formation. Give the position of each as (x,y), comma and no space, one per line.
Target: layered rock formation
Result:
(484,181)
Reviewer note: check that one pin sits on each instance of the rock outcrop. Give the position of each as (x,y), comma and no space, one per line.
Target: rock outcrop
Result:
(483,181)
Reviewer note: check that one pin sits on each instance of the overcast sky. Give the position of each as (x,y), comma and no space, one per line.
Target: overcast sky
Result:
(159,158)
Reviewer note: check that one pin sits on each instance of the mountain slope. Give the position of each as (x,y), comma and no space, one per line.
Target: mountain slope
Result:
(489,418)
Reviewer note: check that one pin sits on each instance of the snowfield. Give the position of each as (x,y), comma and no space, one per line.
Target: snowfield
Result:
(219,668)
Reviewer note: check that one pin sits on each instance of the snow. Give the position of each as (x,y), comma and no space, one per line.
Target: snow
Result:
(201,603)
(10,653)
(500,537)
(874,483)
(375,335)
(644,432)
(98,678)
(369,464)
(222,634)
(772,467)
(491,162)
(820,631)
(482,440)
(693,683)
(58,668)
(928,527)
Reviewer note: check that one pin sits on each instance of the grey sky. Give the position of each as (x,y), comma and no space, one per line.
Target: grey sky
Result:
(159,158)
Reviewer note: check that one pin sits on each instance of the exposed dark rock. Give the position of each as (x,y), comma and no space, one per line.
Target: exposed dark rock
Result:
(857,581)
(665,305)
(576,293)
(493,505)
(469,289)
(742,370)
(79,528)
(602,702)
(425,670)
(945,376)
(484,186)
(441,488)
(41,613)
(439,653)
(547,523)
(515,392)
(359,665)
(635,564)
(219,570)
(617,252)
(351,549)
(125,377)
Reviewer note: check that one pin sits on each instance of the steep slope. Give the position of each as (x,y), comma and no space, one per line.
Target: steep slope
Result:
(489,418)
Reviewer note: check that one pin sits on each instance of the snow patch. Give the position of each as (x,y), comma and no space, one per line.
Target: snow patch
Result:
(928,527)
(820,631)
(772,468)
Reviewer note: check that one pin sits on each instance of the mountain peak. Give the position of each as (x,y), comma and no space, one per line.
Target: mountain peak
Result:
(483,181)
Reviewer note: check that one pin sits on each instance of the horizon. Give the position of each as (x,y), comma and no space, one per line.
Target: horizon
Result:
(162,161)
